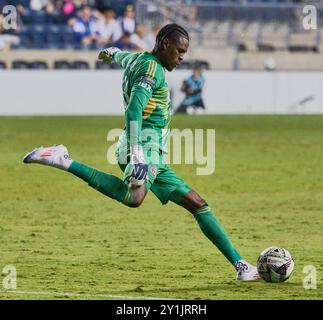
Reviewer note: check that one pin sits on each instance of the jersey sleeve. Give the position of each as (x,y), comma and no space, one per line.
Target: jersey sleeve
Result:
(122,58)
(149,76)
(147,79)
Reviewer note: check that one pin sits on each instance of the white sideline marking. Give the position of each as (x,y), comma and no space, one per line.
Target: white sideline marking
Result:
(71,294)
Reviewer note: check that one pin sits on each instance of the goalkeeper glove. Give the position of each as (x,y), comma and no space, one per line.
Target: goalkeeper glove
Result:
(136,171)
(106,54)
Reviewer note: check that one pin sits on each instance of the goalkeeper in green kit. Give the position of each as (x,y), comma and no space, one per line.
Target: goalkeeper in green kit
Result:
(141,147)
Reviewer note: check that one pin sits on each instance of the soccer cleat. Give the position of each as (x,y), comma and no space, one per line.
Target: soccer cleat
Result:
(246,271)
(55,156)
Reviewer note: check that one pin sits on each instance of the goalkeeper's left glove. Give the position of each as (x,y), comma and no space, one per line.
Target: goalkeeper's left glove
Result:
(136,170)
(106,54)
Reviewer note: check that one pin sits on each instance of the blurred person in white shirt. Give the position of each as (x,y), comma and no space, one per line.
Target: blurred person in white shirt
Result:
(38,5)
(128,21)
(139,38)
(108,29)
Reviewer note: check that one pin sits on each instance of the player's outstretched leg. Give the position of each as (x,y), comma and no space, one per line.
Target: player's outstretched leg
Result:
(57,156)
(215,232)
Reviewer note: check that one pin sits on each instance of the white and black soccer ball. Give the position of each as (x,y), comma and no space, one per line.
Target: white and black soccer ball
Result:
(275,264)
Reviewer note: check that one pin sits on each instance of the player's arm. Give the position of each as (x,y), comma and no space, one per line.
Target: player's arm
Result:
(136,171)
(145,84)
(111,54)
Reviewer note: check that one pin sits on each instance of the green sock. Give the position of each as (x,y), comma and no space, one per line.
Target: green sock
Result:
(213,229)
(107,184)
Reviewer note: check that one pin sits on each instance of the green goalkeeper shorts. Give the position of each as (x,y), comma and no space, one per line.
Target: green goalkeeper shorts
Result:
(163,181)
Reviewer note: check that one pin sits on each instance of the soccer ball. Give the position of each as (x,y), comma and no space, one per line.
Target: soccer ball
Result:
(275,264)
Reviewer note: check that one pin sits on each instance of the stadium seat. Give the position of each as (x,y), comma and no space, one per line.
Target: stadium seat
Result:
(25,37)
(38,36)
(63,64)
(54,37)
(38,64)
(3,65)
(20,64)
(37,17)
(302,48)
(241,47)
(79,64)
(263,47)
(68,37)
(99,65)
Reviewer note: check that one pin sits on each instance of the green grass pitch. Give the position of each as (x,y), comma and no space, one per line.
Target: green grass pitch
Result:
(64,237)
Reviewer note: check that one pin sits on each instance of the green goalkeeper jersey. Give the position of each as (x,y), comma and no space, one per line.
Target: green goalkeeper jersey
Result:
(146,100)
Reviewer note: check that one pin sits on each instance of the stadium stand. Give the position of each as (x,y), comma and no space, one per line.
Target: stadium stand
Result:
(243,29)
(222,33)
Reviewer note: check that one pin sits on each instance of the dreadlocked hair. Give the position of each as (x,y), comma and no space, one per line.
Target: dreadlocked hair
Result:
(171,31)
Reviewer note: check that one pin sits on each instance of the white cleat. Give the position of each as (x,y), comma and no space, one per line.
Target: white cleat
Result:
(246,271)
(56,156)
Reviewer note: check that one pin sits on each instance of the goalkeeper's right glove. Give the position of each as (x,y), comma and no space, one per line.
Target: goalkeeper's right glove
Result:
(106,54)
(136,171)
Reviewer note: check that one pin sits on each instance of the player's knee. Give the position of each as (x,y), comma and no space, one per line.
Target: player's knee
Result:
(132,203)
(196,205)
(136,203)
(193,201)
(138,197)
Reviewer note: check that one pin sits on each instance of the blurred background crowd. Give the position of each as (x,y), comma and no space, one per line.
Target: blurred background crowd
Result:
(75,24)
(235,30)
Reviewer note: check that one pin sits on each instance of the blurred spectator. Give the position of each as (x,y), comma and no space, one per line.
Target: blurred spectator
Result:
(108,29)
(38,5)
(192,87)
(125,42)
(81,3)
(23,10)
(68,10)
(139,38)
(53,14)
(127,21)
(84,28)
